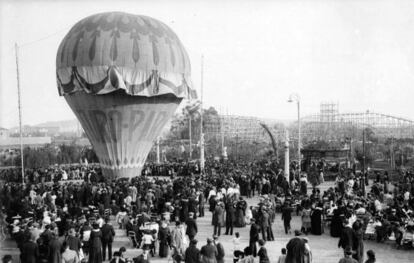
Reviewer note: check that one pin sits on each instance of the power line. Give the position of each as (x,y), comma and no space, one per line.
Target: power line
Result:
(43,38)
(10,52)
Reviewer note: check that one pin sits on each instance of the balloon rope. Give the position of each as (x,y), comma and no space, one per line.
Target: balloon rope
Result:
(44,38)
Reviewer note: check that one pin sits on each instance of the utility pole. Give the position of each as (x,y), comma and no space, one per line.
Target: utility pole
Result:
(20,110)
(158,150)
(222,136)
(237,146)
(189,135)
(299,142)
(201,117)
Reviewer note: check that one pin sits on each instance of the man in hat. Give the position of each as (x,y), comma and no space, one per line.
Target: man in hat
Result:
(347,256)
(108,234)
(287,216)
(230,217)
(254,237)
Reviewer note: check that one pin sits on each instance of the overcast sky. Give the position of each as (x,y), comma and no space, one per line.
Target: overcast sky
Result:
(357,53)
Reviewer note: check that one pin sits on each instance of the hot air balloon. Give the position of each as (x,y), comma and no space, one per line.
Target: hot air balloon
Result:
(123,76)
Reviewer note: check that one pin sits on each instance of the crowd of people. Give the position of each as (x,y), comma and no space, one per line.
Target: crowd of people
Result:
(69,222)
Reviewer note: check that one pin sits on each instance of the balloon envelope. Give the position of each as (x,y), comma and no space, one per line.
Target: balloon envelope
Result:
(122,128)
(123,75)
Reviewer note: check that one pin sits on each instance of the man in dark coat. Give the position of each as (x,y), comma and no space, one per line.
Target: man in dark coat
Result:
(192,205)
(220,250)
(264,224)
(254,237)
(230,217)
(192,253)
(287,217)
(55,246)
(218,218)
(46,235)
(209,252)
(30,251)
(191,226)
(108,234)
(347,236)
(201,203)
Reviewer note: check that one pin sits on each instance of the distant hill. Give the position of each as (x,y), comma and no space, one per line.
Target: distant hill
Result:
(64,126)
(58,126)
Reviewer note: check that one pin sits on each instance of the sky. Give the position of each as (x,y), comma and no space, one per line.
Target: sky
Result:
(359,54)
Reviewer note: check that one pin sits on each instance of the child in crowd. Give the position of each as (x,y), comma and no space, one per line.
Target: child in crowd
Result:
(237,250)
(282,258)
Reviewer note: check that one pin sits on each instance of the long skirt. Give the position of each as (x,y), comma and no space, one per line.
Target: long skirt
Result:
(95,255)
(239,219)
(163,250)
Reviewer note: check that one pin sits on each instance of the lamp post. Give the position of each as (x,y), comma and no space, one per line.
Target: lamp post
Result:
(292,98)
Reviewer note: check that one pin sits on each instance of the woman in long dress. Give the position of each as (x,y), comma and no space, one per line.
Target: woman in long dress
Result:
(164,238)
(316,220)
(95,245)
(240,213)
(336,223)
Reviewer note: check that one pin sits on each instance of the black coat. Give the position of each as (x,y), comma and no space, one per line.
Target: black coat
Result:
(347,238)
(220,253)
(263,258)
(30,252)
(108,233)
(287,213)
(254,232)
(230,214)
(209,251)
(191,227)
(192,254)
(218,216)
